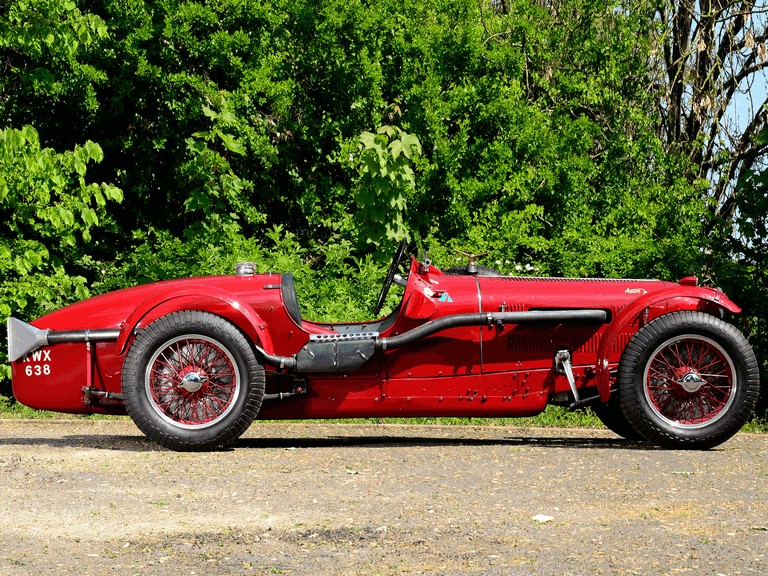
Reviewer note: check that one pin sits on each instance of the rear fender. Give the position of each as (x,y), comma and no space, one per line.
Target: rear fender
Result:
(702,296)
(220,302)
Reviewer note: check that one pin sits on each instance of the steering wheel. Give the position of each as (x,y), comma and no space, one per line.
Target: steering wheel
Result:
(390,276)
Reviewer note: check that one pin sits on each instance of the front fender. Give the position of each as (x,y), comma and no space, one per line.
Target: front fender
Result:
(631,312)
(214,300)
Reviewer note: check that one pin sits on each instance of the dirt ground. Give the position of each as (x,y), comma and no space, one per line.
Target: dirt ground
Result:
(95,497)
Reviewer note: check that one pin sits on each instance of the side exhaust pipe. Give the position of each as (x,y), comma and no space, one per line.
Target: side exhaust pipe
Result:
(24,338)
(291,363)
(490,318)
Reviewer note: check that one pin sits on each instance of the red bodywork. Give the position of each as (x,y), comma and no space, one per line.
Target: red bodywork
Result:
(490,370)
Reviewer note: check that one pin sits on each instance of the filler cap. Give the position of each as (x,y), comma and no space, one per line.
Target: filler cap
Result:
(245,269)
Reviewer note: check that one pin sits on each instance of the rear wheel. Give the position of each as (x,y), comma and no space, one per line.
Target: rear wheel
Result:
(688,380)
(192,382)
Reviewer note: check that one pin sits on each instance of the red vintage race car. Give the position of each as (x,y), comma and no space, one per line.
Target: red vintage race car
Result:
(195,361)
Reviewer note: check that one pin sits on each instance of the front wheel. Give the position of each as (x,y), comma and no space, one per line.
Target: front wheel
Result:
(688,380)
(191,381)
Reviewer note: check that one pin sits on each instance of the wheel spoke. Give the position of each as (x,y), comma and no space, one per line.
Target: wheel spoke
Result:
(703,368)
(718,399)
(663,365)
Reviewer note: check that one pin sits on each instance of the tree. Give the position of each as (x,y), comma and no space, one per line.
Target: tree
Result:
(740,261)
(709,59)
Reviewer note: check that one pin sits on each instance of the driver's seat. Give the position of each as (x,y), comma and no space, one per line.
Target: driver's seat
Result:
(288,288)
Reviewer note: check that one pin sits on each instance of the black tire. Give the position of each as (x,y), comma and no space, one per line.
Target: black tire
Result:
(688,380)
(481,271)
(612,417)
(191,382)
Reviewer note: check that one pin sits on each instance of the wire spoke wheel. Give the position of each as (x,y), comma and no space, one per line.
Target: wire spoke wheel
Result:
(192,381)
(690,381)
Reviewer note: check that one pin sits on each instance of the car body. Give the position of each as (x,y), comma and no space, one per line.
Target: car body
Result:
(195,361)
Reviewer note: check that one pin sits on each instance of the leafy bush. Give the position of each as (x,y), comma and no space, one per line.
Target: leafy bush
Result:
(50,215)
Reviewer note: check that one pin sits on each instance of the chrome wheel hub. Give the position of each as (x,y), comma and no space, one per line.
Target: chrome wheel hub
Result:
(691,382)
(192,382)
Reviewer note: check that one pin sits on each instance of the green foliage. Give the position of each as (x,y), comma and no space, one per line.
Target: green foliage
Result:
(215,189)
(538,145)
(42,44)
(543,151)
(386,183)
(49,213)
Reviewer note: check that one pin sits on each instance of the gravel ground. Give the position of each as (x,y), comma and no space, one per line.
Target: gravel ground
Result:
(95,497)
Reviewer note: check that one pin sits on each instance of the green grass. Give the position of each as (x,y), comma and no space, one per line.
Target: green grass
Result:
(757,425)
